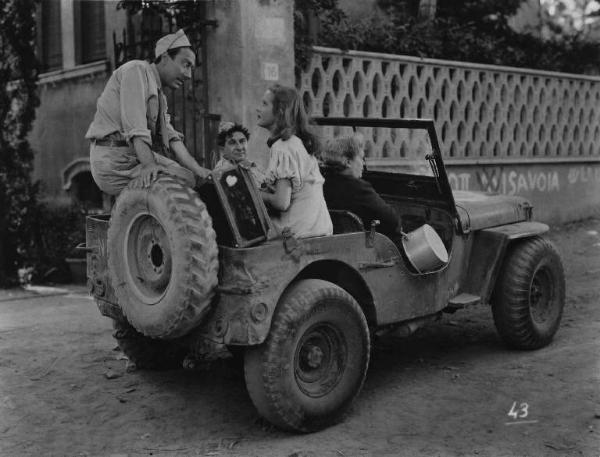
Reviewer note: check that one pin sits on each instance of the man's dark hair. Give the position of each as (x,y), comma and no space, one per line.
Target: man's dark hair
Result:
(223,134)
(173,52)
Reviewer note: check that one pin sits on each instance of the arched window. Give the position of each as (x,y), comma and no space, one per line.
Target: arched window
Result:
(80,185)
(84,190)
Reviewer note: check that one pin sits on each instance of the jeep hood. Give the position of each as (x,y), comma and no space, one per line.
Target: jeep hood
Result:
(479,210)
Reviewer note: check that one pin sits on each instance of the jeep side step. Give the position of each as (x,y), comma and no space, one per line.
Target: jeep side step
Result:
(461,301)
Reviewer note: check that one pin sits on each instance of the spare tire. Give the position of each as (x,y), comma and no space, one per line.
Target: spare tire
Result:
(162,258)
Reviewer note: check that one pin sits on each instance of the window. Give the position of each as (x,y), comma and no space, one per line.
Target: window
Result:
(91,31)
(50,39)
(85,191)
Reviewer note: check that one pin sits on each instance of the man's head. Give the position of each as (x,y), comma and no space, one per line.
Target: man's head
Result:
(345,155)
(233,138)
(175,59)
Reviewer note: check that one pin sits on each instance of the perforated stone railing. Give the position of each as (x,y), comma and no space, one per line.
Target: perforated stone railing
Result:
(482,113)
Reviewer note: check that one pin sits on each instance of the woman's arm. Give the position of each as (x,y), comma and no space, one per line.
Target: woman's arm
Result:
(281,199)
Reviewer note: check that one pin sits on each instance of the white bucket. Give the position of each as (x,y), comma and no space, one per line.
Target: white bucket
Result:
(424,249)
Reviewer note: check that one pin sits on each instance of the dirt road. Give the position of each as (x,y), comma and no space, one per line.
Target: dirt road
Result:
(445,391)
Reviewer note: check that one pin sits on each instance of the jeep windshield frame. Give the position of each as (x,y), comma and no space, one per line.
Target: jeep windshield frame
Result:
(438,176)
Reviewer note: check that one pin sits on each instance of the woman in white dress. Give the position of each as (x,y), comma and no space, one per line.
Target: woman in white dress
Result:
(295,192)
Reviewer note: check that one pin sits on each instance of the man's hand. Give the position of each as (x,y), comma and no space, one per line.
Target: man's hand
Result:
(187,161)
(147,176)
(202,173)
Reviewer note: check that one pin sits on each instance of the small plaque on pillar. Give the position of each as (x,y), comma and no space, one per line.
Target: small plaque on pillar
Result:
(270,71)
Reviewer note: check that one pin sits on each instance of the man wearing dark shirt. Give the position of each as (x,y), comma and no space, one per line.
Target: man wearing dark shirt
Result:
(345,190)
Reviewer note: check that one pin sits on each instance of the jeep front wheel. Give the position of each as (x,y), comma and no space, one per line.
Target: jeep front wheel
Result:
(314,361)
(529,296)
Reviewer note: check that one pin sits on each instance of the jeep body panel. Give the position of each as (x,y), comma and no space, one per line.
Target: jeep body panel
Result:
(250,291)
(488,248)
(99,282)
(256,277)
(478,210)
(519,230)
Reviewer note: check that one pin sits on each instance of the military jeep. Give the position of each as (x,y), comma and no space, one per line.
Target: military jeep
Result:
(199,274)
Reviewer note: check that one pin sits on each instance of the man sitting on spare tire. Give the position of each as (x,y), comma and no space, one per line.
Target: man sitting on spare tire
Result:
(131,134)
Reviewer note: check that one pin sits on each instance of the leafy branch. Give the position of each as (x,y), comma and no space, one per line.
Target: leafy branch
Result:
(18,100)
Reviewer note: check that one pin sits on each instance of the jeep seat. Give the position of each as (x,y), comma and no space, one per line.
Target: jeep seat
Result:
(345,221)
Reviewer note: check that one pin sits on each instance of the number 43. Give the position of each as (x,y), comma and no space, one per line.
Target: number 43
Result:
(519,412)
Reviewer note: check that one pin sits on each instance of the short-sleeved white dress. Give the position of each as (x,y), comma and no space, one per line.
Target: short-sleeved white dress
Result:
(307,214)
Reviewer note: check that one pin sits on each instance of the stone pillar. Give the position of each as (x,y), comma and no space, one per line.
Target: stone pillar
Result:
(252,48)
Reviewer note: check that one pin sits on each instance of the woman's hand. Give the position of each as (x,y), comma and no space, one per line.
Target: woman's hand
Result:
(281,198)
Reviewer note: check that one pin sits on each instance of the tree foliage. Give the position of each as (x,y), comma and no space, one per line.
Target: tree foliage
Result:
(572,17)
(463,30)
(464,11)
(186,14)
(308,13)
(18,100)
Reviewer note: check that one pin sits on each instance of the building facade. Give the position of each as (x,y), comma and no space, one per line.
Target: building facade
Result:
(244,46)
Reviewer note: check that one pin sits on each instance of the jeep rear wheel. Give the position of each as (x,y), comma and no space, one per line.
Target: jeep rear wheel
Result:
(147,352)
(162,258)
(312,365)
(529,297)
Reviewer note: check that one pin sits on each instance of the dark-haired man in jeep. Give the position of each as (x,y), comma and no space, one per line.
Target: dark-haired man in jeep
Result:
(131,134)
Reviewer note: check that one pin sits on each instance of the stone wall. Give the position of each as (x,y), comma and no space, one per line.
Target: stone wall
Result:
(67,106)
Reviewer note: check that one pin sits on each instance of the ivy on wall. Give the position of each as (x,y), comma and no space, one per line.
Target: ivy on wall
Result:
(18,100)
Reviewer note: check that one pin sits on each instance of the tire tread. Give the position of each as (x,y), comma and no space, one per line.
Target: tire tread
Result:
(191,300)
(510,301)
(263,364)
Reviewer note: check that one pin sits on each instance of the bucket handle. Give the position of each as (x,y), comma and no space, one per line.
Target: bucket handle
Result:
(83,247)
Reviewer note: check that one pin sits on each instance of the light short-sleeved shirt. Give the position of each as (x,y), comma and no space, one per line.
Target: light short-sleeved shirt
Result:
(307,214)
(129,105)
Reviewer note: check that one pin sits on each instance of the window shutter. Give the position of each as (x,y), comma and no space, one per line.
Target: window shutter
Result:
(93,43)
(51,36)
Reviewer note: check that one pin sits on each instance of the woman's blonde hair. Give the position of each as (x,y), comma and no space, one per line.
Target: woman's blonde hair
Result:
(291,118)
(338,151)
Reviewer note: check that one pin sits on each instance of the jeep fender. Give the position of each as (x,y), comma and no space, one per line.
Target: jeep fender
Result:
(243,314)
(348,278)
(487,254)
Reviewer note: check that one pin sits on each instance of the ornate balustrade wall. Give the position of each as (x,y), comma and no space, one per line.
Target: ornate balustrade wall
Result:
(480,111)
(500,128)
